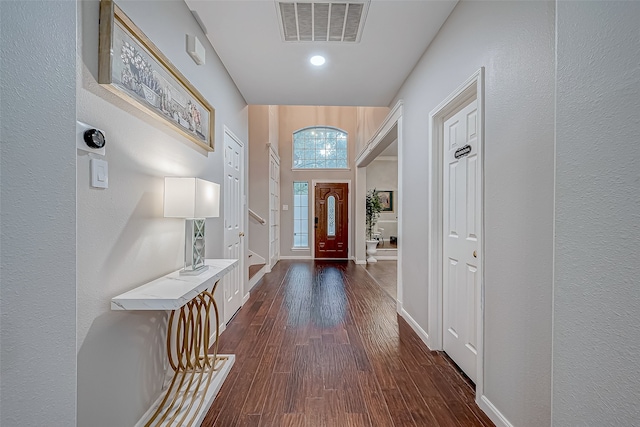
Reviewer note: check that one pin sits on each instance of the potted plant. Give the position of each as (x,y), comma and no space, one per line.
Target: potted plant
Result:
(373,208)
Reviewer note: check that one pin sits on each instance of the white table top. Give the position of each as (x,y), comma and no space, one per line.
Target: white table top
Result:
(173,290)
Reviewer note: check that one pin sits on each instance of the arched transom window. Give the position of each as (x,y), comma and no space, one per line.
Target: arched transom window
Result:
(320,148)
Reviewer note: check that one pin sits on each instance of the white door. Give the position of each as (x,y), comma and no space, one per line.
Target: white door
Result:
(233,223)
(274,209)
(461,222)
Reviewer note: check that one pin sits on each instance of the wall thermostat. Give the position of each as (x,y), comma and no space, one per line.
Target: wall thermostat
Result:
(90,139)
(94,138)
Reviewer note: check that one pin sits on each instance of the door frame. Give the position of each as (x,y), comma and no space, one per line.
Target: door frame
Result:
(243,220)
(472,88)
(312,202)
(390,130)
(273,154)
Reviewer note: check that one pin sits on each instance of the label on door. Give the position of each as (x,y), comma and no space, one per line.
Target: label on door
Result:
(461,152)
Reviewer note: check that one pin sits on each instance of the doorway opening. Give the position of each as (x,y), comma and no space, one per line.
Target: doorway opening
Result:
(383,155)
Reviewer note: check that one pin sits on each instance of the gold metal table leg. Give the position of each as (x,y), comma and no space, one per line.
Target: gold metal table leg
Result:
(189,359)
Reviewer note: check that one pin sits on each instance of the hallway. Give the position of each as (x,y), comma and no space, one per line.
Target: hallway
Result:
(320,344)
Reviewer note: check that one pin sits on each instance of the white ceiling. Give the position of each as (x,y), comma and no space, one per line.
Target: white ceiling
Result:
(267,70)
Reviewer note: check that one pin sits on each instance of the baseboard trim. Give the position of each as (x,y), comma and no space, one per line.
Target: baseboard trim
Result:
(492,412)
(360,261)
(414,325)
(246,298)
(387,258)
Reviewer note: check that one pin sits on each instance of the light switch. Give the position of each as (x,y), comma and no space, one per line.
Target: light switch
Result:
(99,173)
(285,207)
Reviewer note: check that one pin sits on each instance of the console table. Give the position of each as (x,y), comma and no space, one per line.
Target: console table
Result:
(196,376)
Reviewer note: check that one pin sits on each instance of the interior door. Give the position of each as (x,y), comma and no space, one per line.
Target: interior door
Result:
(331,220)
(274,208)
(461,222)
(233,223)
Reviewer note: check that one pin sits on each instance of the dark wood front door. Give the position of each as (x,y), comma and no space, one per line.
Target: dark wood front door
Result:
(332,220)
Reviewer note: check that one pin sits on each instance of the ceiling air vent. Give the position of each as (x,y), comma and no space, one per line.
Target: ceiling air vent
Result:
(322,22)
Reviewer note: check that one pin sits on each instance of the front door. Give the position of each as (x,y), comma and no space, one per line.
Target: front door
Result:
(331,220)
(461,221)
(233,223)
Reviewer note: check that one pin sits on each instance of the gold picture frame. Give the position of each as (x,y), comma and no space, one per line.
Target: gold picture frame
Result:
(132,67)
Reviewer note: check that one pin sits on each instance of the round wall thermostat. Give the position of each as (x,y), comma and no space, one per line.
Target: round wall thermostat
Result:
(94,138)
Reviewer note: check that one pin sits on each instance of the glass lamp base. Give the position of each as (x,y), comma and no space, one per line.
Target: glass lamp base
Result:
(189,272)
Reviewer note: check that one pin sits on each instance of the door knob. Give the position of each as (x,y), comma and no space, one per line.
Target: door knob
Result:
(475,255)
(242,235)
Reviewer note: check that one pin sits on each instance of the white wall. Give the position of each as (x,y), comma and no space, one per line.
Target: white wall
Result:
(369,120)
(260,130)
(382,174)
(514,41)
(596,338)
(293,118)
(38,214)
(123,239)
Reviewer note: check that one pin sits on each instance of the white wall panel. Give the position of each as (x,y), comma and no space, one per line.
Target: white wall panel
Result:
(514,41)
(123,238)
(596,380)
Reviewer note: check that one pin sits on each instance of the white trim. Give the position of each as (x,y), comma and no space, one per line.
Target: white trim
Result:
(246,297)
(386,258)
(424,336)
(295,257)
(384,128)
(387,158)
(312,202)
(471,89)
(492,412)
(399,204)
(301,249)
(360,261)
(273,155)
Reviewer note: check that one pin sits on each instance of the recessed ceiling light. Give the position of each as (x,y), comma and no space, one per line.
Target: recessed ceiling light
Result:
(317,60)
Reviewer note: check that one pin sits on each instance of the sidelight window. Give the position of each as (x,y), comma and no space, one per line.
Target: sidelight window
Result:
(300,214)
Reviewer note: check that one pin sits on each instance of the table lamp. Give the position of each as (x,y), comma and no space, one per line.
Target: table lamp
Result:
(193,199)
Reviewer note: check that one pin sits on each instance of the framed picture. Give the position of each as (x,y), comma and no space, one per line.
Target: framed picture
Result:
(386,200)
(133,68)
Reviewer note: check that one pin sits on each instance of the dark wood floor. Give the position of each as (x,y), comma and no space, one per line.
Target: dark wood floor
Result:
(320,344)
(385,273)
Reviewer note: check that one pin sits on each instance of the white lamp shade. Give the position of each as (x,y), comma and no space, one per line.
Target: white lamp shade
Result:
(191,198)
